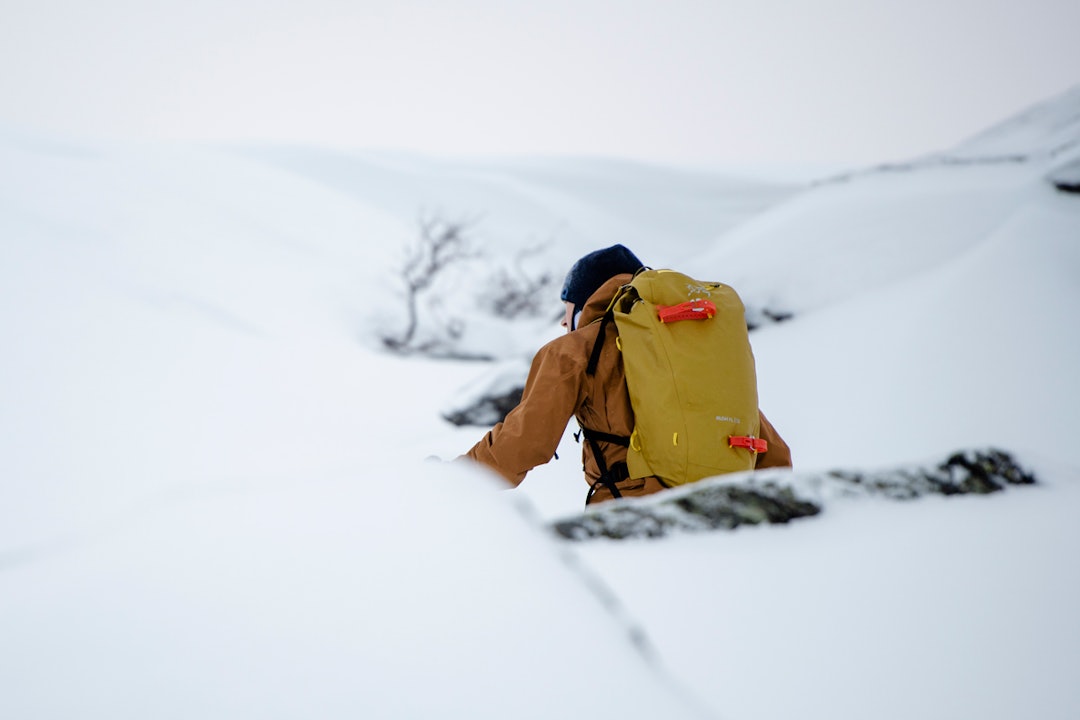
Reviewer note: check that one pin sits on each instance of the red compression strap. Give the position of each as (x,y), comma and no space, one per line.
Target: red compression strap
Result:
(749,442)
(692,310)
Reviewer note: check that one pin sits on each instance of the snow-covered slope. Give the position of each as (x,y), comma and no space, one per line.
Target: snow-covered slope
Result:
(887,224)
(934,308)
(212,496)
(568,205)
(936,304)
(362,595)
(1043,132)
(212,499)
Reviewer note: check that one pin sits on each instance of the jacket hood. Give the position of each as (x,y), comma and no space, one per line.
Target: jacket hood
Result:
(598,302)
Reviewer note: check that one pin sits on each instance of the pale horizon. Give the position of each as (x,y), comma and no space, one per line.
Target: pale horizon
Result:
(683,82)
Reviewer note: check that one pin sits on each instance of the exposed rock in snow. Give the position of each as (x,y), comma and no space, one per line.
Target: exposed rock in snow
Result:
(759,316)
(487,409)
(725,503)
(1066,177)
(487,400)
(708,507)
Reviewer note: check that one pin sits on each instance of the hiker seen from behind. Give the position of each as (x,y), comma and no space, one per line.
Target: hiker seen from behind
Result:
(657,369)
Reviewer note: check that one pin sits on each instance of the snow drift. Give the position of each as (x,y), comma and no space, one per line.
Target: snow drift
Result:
(212,501)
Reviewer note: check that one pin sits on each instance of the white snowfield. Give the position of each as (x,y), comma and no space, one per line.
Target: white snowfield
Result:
(213,494)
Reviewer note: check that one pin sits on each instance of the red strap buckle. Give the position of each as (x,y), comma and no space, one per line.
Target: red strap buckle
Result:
(751,443)
(700,309)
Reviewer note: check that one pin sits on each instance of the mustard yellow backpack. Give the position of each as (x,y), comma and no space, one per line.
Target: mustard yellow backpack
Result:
(690,372)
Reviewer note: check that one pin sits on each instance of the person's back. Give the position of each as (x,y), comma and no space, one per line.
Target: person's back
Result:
(560,386)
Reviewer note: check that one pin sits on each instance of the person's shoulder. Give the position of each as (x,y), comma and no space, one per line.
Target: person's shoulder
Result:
(573,347)
(564,343)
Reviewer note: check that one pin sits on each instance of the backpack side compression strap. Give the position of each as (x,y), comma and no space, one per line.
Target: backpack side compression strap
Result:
(608,476)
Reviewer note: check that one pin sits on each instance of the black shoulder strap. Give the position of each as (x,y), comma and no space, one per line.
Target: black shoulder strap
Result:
(598,346)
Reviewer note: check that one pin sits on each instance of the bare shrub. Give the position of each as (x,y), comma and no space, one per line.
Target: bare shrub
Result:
(518,293)
(439,245)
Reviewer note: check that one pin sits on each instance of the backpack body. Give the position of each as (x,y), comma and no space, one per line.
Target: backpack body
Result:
(691,377)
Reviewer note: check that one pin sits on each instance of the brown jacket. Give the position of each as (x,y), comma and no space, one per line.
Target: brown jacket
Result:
(558,388)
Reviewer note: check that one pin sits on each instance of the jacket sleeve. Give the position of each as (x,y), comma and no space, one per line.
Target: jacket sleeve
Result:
(778,454)
(530,434)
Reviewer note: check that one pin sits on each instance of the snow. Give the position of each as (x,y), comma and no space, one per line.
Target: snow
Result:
(330,597)
(214,499)
(949,608)
(976,350)
(1049,128)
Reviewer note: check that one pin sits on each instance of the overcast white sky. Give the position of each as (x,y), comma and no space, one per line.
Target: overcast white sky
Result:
(702,81)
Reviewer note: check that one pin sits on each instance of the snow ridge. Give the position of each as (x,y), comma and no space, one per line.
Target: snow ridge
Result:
(1043,133)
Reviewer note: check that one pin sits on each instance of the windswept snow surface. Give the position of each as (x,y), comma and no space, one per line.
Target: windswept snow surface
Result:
(937,304)
(214,503)
(214,499)
(1047,129)
(382,594)
(942,608)
(935,308)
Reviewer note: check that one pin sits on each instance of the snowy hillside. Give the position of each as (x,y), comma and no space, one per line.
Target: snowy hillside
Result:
(213,493)
(936,303)
(1042,133)
(933,308)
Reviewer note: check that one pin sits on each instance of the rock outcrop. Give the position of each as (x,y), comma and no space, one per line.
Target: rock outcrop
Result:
(725,503)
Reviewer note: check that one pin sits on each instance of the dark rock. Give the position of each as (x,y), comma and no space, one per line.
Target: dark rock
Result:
(729,506)
(984,471)
(773,497)
(709,507)
(757,317)
(487,410)
(1066,178)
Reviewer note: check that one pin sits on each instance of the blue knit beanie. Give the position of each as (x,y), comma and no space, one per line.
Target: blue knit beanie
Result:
(595,269)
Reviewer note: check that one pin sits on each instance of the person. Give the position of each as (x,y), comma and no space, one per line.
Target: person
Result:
(558,388)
